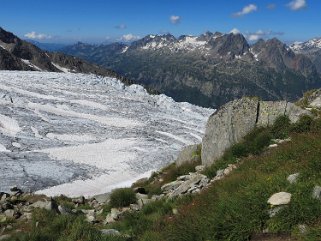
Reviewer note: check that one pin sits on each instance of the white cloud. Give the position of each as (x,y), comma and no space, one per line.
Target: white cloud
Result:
(175,19)
(260,34)
(38,36)
(235,31)
(129,37)
(246,10)
(297,4)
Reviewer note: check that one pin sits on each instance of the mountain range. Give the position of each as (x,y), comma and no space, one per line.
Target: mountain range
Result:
(17,54)
(210,69)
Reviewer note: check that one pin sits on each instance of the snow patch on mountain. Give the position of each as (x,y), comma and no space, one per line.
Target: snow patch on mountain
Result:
(313,44)
(28,62)
(62,69)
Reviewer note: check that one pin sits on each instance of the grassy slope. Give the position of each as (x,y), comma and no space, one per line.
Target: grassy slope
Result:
(234,208)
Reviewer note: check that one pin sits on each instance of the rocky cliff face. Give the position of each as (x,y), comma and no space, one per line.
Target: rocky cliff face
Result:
(237,118)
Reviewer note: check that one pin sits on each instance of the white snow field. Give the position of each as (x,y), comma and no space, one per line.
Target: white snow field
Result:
(75,134)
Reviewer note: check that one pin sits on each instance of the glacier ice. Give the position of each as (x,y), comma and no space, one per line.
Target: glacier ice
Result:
(76,134)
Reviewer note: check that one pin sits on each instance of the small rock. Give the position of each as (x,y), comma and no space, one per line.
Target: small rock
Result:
(10,213)
(293,178)
(81,200)
(112,216)
(4,196)
(3,218)
(48,205)
(109,219)
(5,237)
(26,216)
(280,198)
(229,169)
(183,178)
(64,210)
(134,207)
(317,192)
(171,186)
(199,168)
(272,146)
(156,197)
(6,205)
(175,211)
(141,196)
(302,228)
(274,211)
(280,141)
(142,202)
(220,173)
(110,232)
(90,216)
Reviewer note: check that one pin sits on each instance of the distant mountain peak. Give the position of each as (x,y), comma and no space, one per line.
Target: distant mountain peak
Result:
(310,45)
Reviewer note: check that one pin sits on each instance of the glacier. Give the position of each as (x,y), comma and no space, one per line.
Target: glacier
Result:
(77,134)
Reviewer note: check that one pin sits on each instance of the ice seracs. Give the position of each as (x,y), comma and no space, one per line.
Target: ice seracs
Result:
(76,134)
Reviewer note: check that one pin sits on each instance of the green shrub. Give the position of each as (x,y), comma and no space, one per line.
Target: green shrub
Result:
(262,140)
(122,197)
(239,150)
(316,125)
(281,127)
(303,125)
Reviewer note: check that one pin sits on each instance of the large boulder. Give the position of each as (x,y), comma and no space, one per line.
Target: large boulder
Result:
(228,126)
(269,111)
(188,155)
(239,117)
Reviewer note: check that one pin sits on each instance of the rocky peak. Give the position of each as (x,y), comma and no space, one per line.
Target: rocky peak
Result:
(153,41)
(7,37)
(230,44)
(310,45)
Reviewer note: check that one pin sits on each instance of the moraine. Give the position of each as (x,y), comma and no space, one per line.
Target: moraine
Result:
(76,134)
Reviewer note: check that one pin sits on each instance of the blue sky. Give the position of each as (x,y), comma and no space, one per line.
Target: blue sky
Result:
(110,20)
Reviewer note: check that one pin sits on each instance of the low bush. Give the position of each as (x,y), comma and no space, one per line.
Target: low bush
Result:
(303,124)
(281,127)
(122,197)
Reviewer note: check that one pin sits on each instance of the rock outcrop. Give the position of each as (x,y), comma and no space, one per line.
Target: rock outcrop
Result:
(189,154)
(239,117)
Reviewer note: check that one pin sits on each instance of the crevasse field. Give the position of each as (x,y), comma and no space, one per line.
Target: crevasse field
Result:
(75,134)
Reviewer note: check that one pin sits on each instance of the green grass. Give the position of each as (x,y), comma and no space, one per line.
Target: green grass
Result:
(48,226)
(234,208)
(122,197)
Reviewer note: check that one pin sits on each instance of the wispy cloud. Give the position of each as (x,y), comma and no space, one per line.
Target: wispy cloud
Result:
(175,19)
(129,37)
(271,6)
(260,34)
(246,10)
(297,4)
(38,36)
(121,26)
